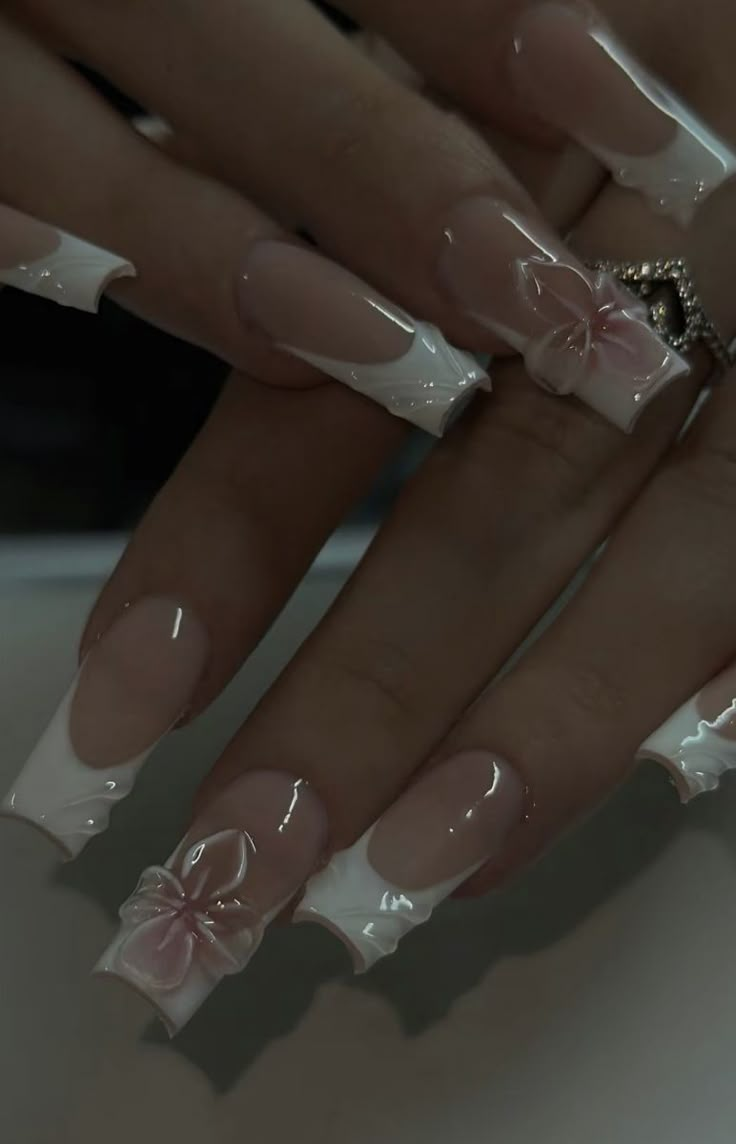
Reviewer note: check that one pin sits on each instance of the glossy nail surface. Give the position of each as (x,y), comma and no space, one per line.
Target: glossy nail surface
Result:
(454,818)
(316,310)
(698,743)
(581,79)
(41,260)
(202,915)
(579,331)
(133,686)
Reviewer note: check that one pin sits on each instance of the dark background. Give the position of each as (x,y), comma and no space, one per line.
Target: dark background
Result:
(95,411)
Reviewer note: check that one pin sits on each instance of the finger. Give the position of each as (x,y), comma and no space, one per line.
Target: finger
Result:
(651,625)
(212,563)
(68,159)
(380,170)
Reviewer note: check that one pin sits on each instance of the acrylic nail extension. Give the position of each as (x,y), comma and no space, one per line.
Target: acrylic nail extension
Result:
(41,260)
(133,686)
(201,916)
(443,829)
(581,79)
(698,743)
(316,310)
(579,331)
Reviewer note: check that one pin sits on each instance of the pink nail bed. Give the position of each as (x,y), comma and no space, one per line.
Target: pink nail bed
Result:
(132,687)
(201,916)
(446,826)
(581,79)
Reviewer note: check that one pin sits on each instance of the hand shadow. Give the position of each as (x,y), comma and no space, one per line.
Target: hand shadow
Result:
(543,905)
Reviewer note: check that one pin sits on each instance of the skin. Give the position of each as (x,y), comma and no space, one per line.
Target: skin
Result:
(519,492)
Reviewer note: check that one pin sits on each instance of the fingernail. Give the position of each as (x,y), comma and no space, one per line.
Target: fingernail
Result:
(202,915)
(443,829)
(581,79)
(579,331)
(316,310)
(698,743)
(41,260)
(133,687)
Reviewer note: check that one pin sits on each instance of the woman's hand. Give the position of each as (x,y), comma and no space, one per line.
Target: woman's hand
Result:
(488,533)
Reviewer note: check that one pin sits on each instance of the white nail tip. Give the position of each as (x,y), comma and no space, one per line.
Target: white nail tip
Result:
(677,179)
(370,914)
(428,386)
(62,796)
(691,750)
(76,274)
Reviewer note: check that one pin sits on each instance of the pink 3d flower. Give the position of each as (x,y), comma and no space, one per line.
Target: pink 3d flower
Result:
(595,327)
(192,911)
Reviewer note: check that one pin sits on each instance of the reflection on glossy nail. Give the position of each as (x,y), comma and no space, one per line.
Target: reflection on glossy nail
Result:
(39,259)
(133,686)
(579,331)
(201,916)
(447,825)
(316,310)
(583,80)
(697,744)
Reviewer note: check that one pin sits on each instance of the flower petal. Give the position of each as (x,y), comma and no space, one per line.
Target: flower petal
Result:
(215,867)
(227,949)
(559,360)
(557,293)
(158,891)
(158,953)
(628,348)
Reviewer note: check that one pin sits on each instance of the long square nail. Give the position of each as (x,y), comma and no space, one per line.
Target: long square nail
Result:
(39,259)
(319,312)
(579,331)
(583,80)
(441,830)
(133,687)
(201,916)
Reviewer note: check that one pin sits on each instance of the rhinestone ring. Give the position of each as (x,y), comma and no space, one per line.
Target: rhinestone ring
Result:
(666,285)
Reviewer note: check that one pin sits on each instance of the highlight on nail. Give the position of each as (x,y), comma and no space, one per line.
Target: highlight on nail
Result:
(40,259)
(697,745)
(579,330)
(201,916)
(321,313)
(580,78)
(446,826)
(133,686)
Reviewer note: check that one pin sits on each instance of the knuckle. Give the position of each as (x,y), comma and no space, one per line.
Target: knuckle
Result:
(375,678)
(357,132)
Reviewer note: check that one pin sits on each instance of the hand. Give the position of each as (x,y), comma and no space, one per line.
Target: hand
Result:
(493,527)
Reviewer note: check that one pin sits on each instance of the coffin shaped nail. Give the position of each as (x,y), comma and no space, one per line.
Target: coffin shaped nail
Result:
(202,915)
(316,310)
(698,743)
(133,686)
(583,80)
(443,829)
(42,260)
(579,331)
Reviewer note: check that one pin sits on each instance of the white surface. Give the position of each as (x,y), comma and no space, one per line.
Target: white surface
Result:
(592,1003)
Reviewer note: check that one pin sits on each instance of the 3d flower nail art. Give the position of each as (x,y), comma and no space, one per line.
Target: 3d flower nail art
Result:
(191,916)
(201,916)
(697,745)
(39,259)
(579,331)
(449,823)
(582,79)
(133,686)
(321,313)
